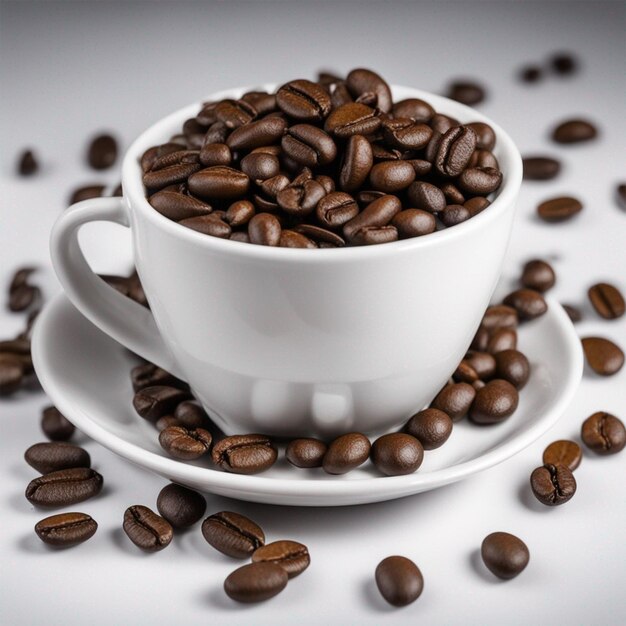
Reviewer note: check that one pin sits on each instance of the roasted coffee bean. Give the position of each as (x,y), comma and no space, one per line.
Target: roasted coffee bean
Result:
(219,182)
(309,145)
(397,454)
(264,229)
(66,529)
(485,135)
(292,556)
(466,92)
(154,402)
(480,340)
(414,223)
(335,209)
(55,456)
(540,168)
(255,582)
(559,209)
(102,152)
(604,433)
(244,454)
(431,427)
(339,95)
(528,303)
(496,401)
(260,166)
(399,580)
(146,529)
(564,63)
(178,206)
(240,212)
(499,316)
(563,452)
(23,297)
(346,453)
(505,555)
(180,506)
(375,217)
(512,366)
(380,153)
(240,236)
(194,133)
(480,180)
(173,174)
(607,300)
(553,484)
(208,225)
(352,119)
(357,163)
(55,425)
(150,156)
(263,132)
(262,101)
(27,164)
(483,363)
(306,452)
(621,196)
(64,487)
(538,275)
(414,108)
(422,167)
(530,74)
(572,312)
(426,196)
(465,373)
(11,374)
(362,81)
(149,375)
(455,150)
(476,205)
(217,133)
(502,339)
(603,356)
(455,400)
(321,236)
(452,194)
(406,134)
(293,239)
(304,100)
(326,182)
(234,113)
(391,176)
(300,198)
(85,193)
(454,214)
(212,154)
(184,443)
(574,131)
(483,159)
(442,123)
(233,534)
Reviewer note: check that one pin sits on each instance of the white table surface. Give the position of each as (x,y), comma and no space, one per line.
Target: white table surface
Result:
(71,69)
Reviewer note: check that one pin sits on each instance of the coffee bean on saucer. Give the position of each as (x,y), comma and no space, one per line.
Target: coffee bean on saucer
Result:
(180,506)
(184,443)
(146,529)
(455,400)
(154,402)
(431,427)
(233,534)
(244,454)
(483,363)
(64,487)
(540,168)
(621,196)
(538,275)
(292,556)
(573,312)
(559,209)
(604,433)
(55,456)
(496,401)
(505,555)
(397,454)
(528,303)
(512,366)
(306,452)
(399,580)
(563,452)
(501,339)
(255,582)
(66,529)
(574,131)
(553,485)
(191,415)
(607,300)
(499,316)
(86,192)
(102,152)
(563,63)
(465,373)
(27,164)
(530,74)
(346,453)
(149,375)
(55,425)
(466,92)
(603,356)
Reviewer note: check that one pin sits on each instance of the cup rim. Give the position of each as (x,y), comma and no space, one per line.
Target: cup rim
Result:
(134,192)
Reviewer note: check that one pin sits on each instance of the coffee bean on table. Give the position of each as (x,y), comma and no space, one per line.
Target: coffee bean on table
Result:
(552,484)
(496,401)
(574,131)
(454,400)
(563,452)
(64,487)
(540,168)
(255,582)
(244,454)
(431,427)
(346,453)
(603,356)
(466,92)
(621,196)
(528,303)
(559,209)
(512,366)
(604,433)
(397,454)
(233,534)
(502,339)
(27,164)
(66,529)
(399,580)
(573,312)
(154,402)
(146,529)
(607,300)
(22,297)
(306,452)
(505,555)
(371,225)
(292,556)
(102,152)
(538,275)
(180,506)
(530,74)
(184,443)
(564,63)
(11,374)
(86,192)
(57,455)
(55,425)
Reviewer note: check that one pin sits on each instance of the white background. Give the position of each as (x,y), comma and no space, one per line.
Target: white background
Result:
(71,69)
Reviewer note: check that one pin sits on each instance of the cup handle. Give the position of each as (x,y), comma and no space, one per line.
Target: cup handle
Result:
(118,316)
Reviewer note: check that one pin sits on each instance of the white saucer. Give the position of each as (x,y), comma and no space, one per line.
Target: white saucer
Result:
(87,376)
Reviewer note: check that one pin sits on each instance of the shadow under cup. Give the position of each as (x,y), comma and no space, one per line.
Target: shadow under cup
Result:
(319,342)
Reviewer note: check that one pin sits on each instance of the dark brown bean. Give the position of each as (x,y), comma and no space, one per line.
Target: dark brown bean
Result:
(264,229)
(505,555)
(244,454)
(212,154)
(363,81)
(540,168)
(219,182)
(346,453)
(528,303)
(454,214)
(335,209)
(563,452)
(148,375)
(604,433)
(607,300)
(414,223)
(564,63)
(320,235)
(483,363)
(431,427)
(304,100)
(27,164)
(397,454)
(234,113)
(455,150)
(86,192)
(66,529)
(603,356)
(496,401)
(573,313)
(465,373)
(146,529)
(620,193)
(23,297)
(414,108)
(399,580)
(467,92)
(502,339)
(574,131)
(292,556)
(376,215)
(559,209)
(255,582)
(553,485)
(306,452)
(149,157)
(499,316)
(180,506)
(483,159)
(406,134)
(154,402)
(263,132)
(309,145)
(177,206)
(480,180)
(352,119)
(208,225)
(357,163)
(530,74)
(11,374)
(102,152)
(262,102)
(476,205)
(452,194)
(512,366)
(233,534)
(64,487)
(55,425)
(538,275)
(441,123)
(293,239)
(391,176)
(260,166)
(300,198)
(185,443)
(485,135)
(427,197)
(455,400)
(240,212)
(55,456)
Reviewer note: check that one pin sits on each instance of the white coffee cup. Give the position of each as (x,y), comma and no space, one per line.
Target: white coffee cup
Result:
(296,342)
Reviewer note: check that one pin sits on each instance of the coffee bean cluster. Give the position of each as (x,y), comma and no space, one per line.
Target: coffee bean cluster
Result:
(323,164)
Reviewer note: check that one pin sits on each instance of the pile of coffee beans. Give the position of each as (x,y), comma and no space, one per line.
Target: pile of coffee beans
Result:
(323,165)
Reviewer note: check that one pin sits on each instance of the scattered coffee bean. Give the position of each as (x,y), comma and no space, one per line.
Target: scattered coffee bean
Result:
(528,303)
(55,456)
(465,373)
(559,209)
(455,400)
(255,582)
(184,443)
(483,363)
(530,74)
(603,356)
(553,484)
(564,63)
(146,529)
(11,373)
(346,453)
(154,402)
(66,529)
(244,454)
(496,401)
(607,300)
(574,131)
(499,316)
(502,339)
(27,164)
(180,506)
(86,192)
(467,92)
(563,452)
(306,452)
(538,275)
(233,534)
(512,366)
(431,427)
(572,312)
(64,487)
(102,152)
(621,196)
(397,454)
(292,556)
(399,580)
(541,168)
(55,425)
(604,433)
(505,555)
